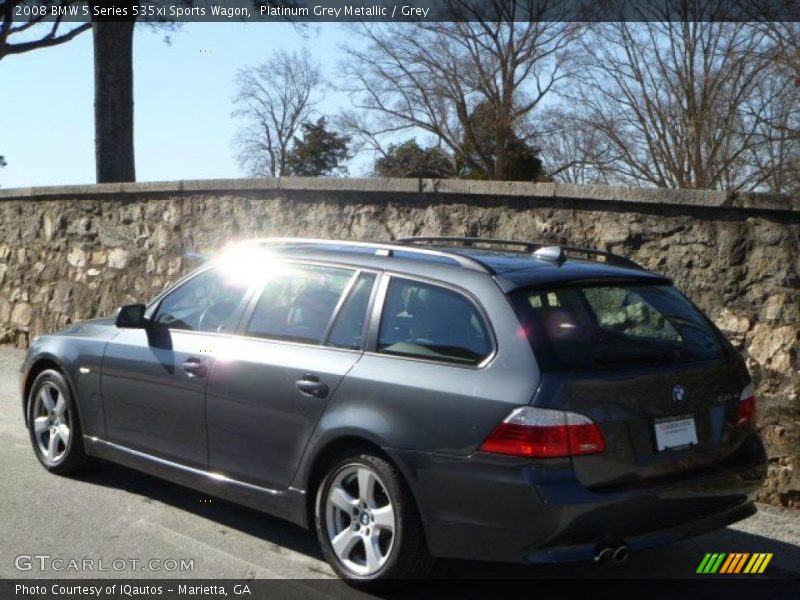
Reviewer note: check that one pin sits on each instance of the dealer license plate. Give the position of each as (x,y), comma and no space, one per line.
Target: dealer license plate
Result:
(675,432)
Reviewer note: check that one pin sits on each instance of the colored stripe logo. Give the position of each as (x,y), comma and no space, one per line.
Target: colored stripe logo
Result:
(734,562)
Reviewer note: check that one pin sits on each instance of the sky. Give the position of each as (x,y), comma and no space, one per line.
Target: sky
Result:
(182,94)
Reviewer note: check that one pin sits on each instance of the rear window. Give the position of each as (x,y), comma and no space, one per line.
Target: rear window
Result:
(581,328)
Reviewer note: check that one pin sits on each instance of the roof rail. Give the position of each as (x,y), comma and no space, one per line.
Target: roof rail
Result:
(469,242)
(380,248)
(526,245)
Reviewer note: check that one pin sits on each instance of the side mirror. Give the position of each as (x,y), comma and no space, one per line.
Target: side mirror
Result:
(131,316)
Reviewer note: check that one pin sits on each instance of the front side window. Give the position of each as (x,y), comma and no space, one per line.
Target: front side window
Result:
(297,303)
(206,302)
(614,326)
(431,322)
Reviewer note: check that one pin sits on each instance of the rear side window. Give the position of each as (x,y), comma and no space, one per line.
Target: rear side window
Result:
(298,303)
(614,326)
(431,322)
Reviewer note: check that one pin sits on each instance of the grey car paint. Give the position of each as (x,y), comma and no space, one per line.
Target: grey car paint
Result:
(152,403)
(139,407)
(77,351)
(259,421)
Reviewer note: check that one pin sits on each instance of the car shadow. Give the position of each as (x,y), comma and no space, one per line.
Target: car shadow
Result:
(676,561)
(234,516)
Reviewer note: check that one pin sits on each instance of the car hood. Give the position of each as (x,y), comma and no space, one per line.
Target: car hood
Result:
(95,328)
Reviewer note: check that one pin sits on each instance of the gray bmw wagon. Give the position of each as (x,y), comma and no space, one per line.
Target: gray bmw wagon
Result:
(429,397)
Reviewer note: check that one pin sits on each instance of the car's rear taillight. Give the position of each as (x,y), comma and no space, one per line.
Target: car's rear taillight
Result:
(544,433)
(746,409)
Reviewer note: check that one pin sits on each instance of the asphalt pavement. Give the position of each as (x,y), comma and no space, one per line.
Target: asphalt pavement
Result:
(129,524)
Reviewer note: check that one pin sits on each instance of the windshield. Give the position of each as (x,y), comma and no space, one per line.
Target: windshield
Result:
(578,328)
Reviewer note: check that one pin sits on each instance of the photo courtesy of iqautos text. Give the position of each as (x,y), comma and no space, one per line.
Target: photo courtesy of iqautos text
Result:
(436,298)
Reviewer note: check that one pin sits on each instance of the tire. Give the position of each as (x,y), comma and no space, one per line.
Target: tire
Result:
(383,516)
(53,424)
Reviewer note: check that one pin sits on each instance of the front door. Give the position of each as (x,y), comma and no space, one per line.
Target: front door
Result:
(154,379)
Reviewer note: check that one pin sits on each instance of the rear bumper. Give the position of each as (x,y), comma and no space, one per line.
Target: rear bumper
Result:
(486,507)
(696,526)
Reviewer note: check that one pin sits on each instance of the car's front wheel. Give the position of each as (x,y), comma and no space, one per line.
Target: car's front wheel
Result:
(367,523)
(53,424)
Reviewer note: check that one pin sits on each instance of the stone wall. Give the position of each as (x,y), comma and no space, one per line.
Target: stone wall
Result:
(77,252)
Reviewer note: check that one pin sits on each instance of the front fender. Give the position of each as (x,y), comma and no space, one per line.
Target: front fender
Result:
(38,358)
(80,362)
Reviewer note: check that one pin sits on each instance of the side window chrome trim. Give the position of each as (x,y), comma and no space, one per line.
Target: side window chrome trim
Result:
(432,361)
(264,340)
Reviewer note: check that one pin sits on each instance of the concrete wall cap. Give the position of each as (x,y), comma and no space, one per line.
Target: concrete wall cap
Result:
(477,189)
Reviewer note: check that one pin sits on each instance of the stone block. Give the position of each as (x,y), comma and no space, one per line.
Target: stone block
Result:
(21,314)
(77,257)
(117,258)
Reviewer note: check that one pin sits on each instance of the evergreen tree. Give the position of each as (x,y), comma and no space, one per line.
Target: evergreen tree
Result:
(319,152)
(409,159)
(523,162)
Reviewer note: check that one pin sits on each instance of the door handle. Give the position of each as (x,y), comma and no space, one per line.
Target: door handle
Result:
(194,367)
(312,386)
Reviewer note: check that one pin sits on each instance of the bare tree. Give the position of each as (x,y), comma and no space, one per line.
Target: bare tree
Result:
(673,102)
(113,83)
(274,98)
(778,163)
(774,163)
(42,24)
(570,153)
(113,101)
(785,36)
(34,21)
(430,76)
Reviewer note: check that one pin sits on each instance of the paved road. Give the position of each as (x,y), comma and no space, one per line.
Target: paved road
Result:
(114,513)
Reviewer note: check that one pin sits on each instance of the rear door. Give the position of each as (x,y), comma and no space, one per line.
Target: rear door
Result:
(646,366)
(302,334)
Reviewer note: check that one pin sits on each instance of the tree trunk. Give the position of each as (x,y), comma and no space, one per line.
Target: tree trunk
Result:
(113,101)
(501,150)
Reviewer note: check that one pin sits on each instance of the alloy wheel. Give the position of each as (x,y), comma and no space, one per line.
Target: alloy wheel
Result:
(360,520)
(51,423)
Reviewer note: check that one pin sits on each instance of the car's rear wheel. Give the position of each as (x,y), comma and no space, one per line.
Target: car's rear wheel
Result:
(367,523)
(53,424)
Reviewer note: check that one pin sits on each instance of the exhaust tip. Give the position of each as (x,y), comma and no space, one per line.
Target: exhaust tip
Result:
(603,554)
(622,553)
